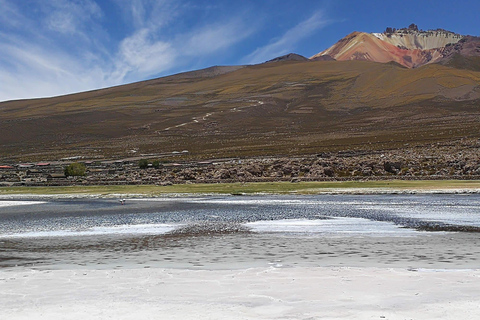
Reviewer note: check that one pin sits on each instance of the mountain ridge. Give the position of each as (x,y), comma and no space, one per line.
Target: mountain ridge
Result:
(409,47)
(289,106)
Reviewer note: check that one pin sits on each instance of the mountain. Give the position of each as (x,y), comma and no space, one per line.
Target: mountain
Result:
(425,91)
(282,108)
(409,47)
(289,57)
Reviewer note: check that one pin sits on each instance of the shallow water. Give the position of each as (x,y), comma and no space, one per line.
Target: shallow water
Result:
(236,232)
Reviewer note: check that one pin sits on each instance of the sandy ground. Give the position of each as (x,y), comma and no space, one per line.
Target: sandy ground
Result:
(259,293)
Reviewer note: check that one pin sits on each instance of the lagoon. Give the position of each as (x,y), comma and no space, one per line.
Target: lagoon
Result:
(228,232)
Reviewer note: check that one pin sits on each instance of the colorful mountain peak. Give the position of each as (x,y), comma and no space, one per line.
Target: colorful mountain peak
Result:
(410,47)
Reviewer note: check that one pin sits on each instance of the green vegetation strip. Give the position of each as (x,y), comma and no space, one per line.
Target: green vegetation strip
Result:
(252,188)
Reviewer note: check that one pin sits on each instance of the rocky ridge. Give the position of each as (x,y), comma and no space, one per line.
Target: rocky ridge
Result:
(412,38)
(409,47)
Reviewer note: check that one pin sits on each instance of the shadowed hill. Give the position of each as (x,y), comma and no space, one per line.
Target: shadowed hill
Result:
(282,108)
(289,57)
(460,62)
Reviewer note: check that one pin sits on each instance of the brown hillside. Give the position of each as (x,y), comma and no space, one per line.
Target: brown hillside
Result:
(276,108)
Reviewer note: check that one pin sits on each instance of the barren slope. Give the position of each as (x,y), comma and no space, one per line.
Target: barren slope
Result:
(290,107)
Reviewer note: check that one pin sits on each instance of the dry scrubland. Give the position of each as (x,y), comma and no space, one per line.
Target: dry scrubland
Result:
(275,109)
(452,160)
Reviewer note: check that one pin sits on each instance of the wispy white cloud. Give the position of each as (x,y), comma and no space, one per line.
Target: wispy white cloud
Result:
(138,13)
(69,17)
(287,42)
(38,72)
(46,50)
(149,14)
(9,14)
(61,46)
(144,56)
(215,37)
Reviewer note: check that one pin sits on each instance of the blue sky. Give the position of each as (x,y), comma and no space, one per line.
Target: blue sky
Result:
(53,47)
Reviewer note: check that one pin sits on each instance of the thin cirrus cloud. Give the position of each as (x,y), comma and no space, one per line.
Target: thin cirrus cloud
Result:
(36,71)
(215,37)
(143,56)
(69,17)
(65,46)
(146,52)
(286,43)
(61,51)
(9,15)
(151,14)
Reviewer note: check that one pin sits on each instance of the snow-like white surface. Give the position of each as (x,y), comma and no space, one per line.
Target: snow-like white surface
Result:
(9,203)
(456,214)
(333,226)
(260,293)
(137,229)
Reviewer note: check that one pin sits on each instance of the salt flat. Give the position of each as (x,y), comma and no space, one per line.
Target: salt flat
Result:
(10,203)
(300,257)
(257,293)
